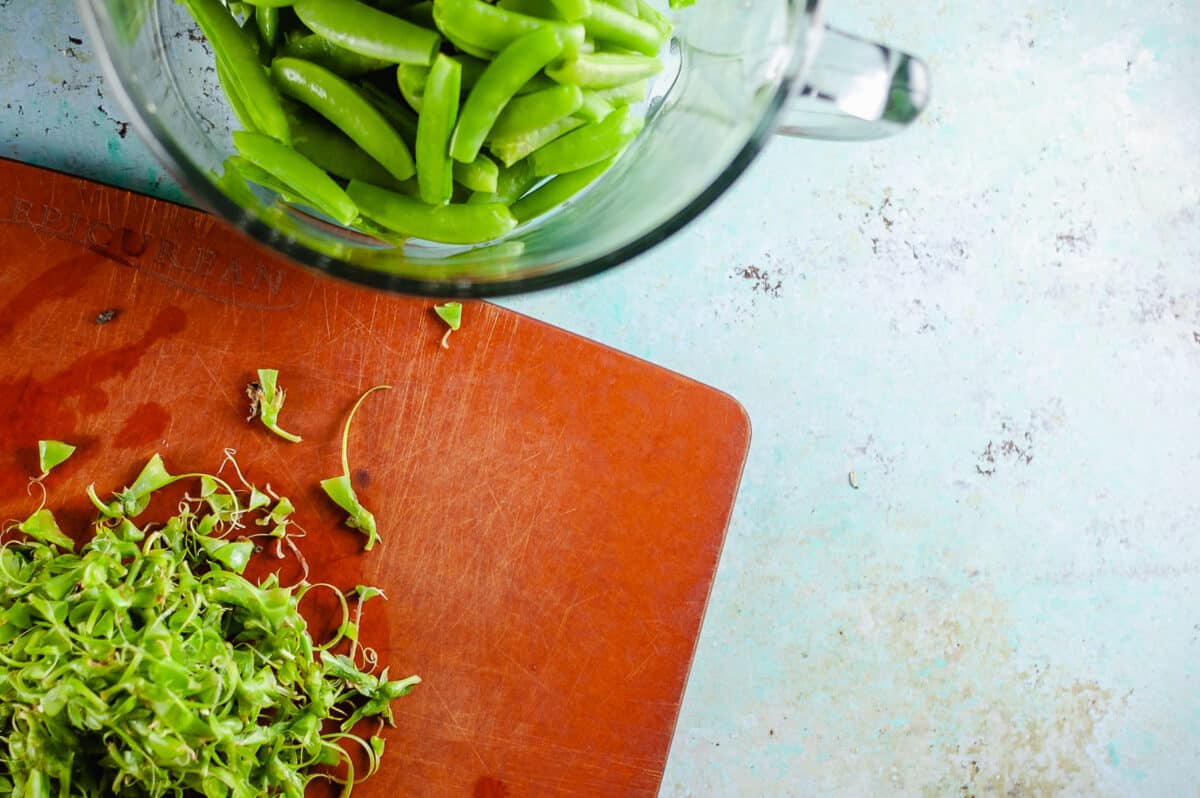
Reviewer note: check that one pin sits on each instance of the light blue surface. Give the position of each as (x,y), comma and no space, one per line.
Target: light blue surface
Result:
(994,323)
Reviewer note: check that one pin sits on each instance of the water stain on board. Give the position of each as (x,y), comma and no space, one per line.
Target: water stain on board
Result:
(58,282)
(42,407)
(144,426)
(489,787)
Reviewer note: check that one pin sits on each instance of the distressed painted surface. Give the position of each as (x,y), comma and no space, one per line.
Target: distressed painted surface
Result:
(994,323)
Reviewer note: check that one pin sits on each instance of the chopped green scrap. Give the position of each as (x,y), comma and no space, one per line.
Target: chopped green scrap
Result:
(340,489)
(42,526)
(266,401)
(451,313)
(145,664)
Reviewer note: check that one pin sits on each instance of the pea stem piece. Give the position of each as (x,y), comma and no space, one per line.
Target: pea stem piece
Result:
(341,490)
(368,31)
(434,126)
(266,402)
(513,67)
(451,313)
(51,454)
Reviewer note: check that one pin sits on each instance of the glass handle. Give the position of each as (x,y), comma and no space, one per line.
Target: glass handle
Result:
(856,90)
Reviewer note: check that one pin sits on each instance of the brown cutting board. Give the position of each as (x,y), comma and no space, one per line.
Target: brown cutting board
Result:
(552,510)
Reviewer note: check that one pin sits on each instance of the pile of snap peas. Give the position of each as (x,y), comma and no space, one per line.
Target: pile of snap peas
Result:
(446,120)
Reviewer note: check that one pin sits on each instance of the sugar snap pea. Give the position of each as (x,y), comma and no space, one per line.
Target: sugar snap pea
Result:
(511,184)
(492,29)
(333,151)
(530,112)
(594,106)
(553,193)
(480,174)
(231,45)
(587,145)
(573,10)
(450,224)
(368,31)
(509,151)
(266,18)
(342,104)
(604,70)
(339,60)
(513,67)
(401,117)
(614,26)
(298,172)
(648,13)
(434,126)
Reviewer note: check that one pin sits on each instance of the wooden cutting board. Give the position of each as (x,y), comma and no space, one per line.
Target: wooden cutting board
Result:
(552,510)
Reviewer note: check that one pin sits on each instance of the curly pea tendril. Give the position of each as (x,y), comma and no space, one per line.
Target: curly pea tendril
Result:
(145,664)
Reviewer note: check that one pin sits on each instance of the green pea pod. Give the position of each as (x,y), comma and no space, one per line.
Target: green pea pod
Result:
(342,104)
(614,26)
(336,59)
(604,70)
(489,29)
(512,68)
(648,13)
(400,117)
(587,146)
(509,151)
(233,95)
(434,126)
(450,224)
(628,6)
(262,177)
(258,97)
(554,193)
(266,19)
(628,94)
(542,9)
(411,82)
(527,113)
(511,184)
(419,14)
(368,31)
(333,151)
(594,107)
(293,169)
(573,10)
(481,174)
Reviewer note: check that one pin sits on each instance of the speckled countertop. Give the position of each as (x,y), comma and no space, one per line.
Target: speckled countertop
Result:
(994,322)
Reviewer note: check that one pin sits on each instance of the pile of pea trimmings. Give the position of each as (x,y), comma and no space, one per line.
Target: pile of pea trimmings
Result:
(437,119)
(146,665)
